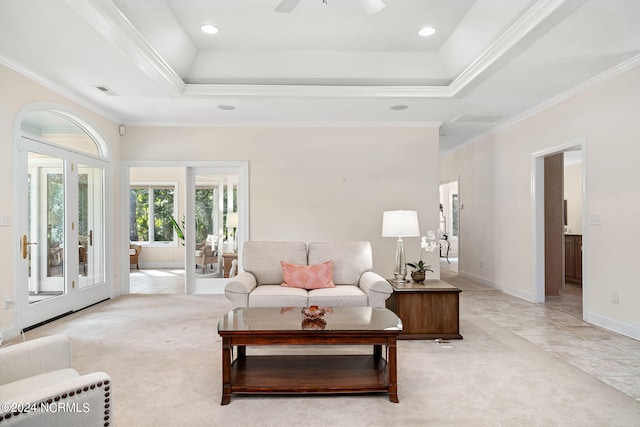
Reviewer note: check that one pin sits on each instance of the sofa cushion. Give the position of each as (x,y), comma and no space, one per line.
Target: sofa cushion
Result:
(314,276)
(277,296)
(12,391)
(262,259)
(350,259)
(340,296)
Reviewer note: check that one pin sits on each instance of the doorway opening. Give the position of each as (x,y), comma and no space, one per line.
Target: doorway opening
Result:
(449,227)
(156,258)
(559,208)
(185,222)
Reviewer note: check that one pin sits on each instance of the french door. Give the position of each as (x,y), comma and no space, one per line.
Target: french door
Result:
(62,245)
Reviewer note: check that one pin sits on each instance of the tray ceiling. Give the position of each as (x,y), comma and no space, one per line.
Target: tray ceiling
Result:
(146,62)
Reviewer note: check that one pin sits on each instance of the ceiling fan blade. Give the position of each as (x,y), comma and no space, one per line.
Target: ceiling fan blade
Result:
(286,6)
(372,6)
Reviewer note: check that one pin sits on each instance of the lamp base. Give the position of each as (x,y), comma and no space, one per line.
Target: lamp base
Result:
(400,268)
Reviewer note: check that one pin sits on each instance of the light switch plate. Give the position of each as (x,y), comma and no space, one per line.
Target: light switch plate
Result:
(594,220)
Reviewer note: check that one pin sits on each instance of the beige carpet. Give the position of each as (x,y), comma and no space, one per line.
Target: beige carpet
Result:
(163,353)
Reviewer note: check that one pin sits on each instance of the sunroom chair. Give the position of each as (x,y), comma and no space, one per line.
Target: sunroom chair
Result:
(207,253)
(38,387)
(134,253)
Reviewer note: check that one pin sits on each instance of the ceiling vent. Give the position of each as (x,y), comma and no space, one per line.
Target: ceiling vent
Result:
(478,118)
(106,90)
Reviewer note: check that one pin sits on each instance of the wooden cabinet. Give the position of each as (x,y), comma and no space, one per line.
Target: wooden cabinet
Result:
(428,310)
(573,258)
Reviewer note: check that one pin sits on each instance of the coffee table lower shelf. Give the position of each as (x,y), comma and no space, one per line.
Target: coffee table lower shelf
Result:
(309,374)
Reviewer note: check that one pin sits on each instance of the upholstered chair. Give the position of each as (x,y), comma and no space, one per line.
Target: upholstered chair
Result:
(38,387)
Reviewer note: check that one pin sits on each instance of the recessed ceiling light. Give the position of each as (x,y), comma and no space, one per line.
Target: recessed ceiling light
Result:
(209,29)
(226,107)
(427,31)
(399,107)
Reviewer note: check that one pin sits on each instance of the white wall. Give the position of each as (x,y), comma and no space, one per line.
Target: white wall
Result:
(573,196)
(495,189)
(308,184)
(316,184)
(17,92)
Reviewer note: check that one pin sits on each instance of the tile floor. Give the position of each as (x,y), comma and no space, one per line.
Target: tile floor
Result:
(160,281)
(555,326)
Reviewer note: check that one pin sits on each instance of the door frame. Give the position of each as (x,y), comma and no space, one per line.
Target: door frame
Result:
(538,225)
(241,168)
(93,294)
(195,285)
(450,205)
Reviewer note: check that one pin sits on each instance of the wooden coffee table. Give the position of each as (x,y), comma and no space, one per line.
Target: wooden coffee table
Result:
(369,372)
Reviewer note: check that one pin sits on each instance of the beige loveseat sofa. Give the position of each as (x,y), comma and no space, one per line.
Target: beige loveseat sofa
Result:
(259,283)
(38,387)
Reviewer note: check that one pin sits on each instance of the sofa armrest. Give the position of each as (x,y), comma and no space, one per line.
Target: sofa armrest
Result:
(376,287)
(34,357)
(82,401)
(237,290)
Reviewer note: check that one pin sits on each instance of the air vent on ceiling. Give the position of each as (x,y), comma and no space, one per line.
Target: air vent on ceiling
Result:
(106,90)
(478,118)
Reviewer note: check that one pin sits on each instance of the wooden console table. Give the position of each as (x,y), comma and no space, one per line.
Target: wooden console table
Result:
(428,310)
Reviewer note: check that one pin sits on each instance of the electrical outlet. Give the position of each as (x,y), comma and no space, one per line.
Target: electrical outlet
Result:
(614,298)
(481,264)
(8,303)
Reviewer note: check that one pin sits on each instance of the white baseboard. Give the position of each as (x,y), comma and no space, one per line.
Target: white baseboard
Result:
(507,290)
(631,331)
(592,318)
(9,332)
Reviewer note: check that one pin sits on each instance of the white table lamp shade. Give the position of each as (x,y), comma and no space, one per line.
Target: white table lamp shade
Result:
(232,220)
(400,224)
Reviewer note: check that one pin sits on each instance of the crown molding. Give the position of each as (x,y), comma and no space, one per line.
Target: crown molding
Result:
(531,20)
(109,21)
(282,124)
(61,90)
(316,91)
(602,77)
(621,68)
(120,32)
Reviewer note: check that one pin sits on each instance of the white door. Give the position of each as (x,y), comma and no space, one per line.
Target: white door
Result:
(62,231)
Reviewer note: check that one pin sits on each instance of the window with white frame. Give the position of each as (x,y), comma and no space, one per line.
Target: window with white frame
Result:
(152,209)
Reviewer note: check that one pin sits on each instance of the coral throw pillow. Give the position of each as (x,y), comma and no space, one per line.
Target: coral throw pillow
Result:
(308,276)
